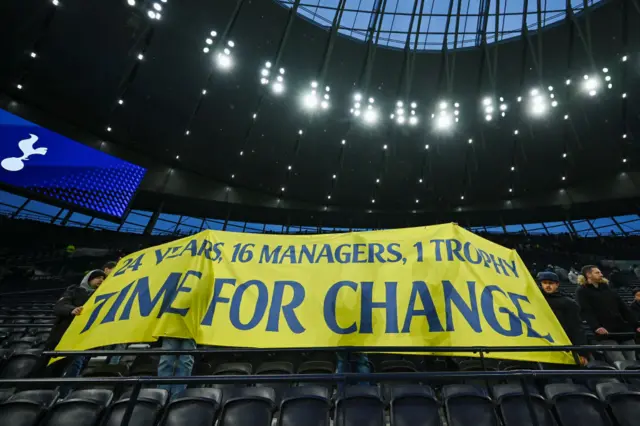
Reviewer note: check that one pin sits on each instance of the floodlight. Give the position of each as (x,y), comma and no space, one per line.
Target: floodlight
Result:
(413,120)
(357,97)
(444,122)
(131,2)
(278,87)
(370,116)
(157,7)
(224,60)
(486,101)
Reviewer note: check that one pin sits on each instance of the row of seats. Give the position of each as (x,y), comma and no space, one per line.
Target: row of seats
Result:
(409,405)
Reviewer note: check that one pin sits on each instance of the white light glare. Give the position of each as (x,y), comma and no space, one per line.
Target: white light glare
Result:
(370,117)
(131,2)
(590,85)
(151,14)
(277,87)
(157,7)
(624,58)
(120,101)
(55,2)
(140,56)
(19,86)
(224,60)
(33,54)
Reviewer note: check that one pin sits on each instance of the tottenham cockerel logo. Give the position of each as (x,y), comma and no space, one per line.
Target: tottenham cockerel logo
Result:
(15,164)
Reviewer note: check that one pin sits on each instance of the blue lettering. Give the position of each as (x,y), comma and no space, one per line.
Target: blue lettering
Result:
(113,310)
(326,253)
(453,249)
(390,305)
(182,288)
(192,247)
(145,303)
(375,251)
(486,257)
(343,257)
(511,266)
(394,249)
(488,305)
(330,300)
(497,265)
(358,253)
(470,313)
(290,252)
(310,255)
(259,310)
(526,317)
(419,288)
(218,284)
(467,254)
(269,257)
(99,304)
(288,310)
(437,249)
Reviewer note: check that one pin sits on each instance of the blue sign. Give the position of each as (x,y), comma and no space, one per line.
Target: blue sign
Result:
(45,162)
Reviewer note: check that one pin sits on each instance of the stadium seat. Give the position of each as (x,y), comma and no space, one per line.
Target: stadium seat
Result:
(627,365)
(26,408)
(248,407)
(305,406)
(275,368)
(468,404)
(20,364)
(359,405)
(147,409)
(231,369)
(513,407)
(193,407)
(81,407)
(414,405)
(575,405)
(397,366)
(316,367)
(5,394)
(23,343)
(600,365)
(624,404)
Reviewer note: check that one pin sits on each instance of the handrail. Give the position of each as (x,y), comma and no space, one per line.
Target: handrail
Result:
(369,349)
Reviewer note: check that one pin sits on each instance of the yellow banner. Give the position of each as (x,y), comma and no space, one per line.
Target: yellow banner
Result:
(431,286)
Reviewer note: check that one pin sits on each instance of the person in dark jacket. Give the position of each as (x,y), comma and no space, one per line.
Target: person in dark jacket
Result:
(634,307)
(606,313)
(565,309)
(66,309)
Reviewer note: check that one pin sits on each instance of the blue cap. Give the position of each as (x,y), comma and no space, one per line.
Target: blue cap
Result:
(548,276)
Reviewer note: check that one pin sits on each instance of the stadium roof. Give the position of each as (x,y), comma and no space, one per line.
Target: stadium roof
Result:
(435,18)
(216,98)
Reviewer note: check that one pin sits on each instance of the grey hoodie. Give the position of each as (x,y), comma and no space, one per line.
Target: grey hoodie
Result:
(85,281)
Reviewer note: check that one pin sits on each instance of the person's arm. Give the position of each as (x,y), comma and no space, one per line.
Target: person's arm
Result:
(575,332)
(586,310)
(64,305)
(626,312)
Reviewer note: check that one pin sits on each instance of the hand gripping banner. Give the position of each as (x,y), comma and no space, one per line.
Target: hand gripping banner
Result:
(431,286)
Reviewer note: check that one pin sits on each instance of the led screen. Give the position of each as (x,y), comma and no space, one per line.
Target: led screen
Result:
(47,163)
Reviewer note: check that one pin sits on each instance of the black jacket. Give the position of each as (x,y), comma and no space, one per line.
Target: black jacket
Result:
(568,313)
(602,307)
(73,297)
(635,309)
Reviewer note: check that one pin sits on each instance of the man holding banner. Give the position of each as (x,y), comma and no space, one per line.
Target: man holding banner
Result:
(423,287)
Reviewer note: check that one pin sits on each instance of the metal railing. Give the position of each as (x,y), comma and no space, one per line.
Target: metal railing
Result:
(522,375)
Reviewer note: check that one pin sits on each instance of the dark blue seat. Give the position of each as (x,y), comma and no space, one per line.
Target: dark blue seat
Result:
(146,411)
(623,402)
(193,407)
(413,405)
(248,407)
(82,407)
(231,369)
(26,408)
(513,407)
(276,367)
(468,404)
(575,405)
(359,405)
(305,406)
(20,364)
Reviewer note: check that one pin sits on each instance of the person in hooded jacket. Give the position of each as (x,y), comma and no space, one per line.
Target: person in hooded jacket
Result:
(565,309)
(66,309)
(634,307)
(606,313)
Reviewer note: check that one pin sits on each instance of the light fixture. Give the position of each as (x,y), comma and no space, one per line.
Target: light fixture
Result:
(334,176)
(300,132)
(426,146)
(384,146)
(177,157)
(140,56)
(566,116)
(413,120)
(33,54)
(19,86)
(462,197)
(282,189)
(624,160)
(519,99)
(564,178)
(445,117)
(513,168)
(564,155)
(515,132)
(510,189)
(255,115)
(470,141)
(120,101)
(370,116)
(624,136)
(329,197)
(233,176)
(538,103)
(373,200)
(131,2)
(377,180)
(420,180)
(108,129)
(55,2)
(591,85)
(288,167)
(624,58)
(187,132)
(151,14)
(624,95)
(567,82)
(343,142)
(157,7)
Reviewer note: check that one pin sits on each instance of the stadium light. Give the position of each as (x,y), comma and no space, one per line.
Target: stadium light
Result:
(538,103)
(591,84)
(446,115)
(224,59)
(311,100)
(131,2)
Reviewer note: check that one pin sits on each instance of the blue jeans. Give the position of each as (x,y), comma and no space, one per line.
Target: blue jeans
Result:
(356,363)
(174,365)
(73,370)
(114,360)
